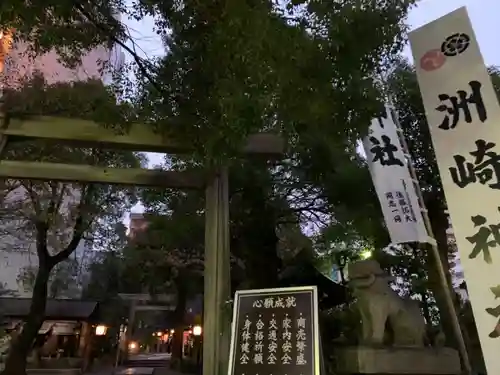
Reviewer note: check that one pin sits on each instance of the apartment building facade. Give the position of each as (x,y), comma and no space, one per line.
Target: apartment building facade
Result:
(16,64)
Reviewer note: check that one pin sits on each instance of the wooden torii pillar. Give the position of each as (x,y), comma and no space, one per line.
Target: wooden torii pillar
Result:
(217,315)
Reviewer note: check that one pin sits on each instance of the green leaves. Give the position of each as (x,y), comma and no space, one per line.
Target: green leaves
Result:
(306,70)
(233,69)
(71,28)
(236,69)
(88,100)
(61,215)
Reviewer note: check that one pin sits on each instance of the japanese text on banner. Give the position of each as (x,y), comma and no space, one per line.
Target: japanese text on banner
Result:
(463,114)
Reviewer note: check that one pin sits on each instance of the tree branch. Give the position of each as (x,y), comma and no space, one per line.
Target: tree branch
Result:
(78,229)
(55,202)
(42,251)
(41,226)
(7,188)
(134,55)
(33,198)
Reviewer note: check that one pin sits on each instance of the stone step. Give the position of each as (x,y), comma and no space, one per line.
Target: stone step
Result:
(150,363)
(137,371)
(52,371)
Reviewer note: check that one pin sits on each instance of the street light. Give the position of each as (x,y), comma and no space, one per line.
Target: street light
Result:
(197,330)
(197,345)
(101,330)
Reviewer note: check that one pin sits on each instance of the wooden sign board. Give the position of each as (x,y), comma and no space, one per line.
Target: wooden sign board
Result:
(275,332)
(64,327)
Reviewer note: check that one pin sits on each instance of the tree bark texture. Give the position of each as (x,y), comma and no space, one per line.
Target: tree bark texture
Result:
(16,360)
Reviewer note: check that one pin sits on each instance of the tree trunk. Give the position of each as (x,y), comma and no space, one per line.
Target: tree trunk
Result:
(15,363)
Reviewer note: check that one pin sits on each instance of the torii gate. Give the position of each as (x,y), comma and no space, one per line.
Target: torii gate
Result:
(216,320)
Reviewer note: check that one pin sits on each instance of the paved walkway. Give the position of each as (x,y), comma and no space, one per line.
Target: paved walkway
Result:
(142,366)
(103,371)
(135,371)
(167,371)
(151,357)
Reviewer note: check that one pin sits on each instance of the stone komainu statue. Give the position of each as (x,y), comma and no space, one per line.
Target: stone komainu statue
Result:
(379,304)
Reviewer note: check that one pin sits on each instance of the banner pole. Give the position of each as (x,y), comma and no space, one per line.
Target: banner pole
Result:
(462,348)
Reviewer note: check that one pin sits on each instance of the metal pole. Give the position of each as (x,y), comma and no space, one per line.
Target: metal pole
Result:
(121,336)
(129,330)
(117,358)
(435,252)
(4,50)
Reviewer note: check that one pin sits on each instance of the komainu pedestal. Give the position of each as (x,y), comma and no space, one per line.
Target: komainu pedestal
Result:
(402,349)
(396,361)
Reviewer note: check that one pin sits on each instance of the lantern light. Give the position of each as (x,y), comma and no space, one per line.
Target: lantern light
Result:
(101,330)
(197,330)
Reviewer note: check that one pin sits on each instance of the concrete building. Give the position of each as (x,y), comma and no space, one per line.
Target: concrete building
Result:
(138,223)
(20,64)
(17,256)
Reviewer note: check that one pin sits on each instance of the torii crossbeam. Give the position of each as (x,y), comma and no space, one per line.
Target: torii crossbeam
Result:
(141,138)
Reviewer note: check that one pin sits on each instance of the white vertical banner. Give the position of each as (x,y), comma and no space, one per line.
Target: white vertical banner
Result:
(464,119)
(392,181)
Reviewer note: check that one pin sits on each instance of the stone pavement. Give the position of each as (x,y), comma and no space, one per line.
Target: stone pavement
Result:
(151,357)
(142,371)
(102,371)
(142,364)
(135,371)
